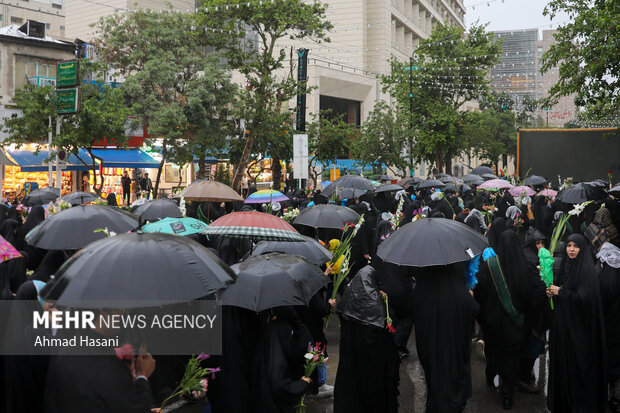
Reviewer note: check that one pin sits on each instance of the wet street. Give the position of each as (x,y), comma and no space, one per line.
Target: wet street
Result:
(413,389)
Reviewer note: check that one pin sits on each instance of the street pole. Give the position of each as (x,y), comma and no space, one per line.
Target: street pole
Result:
(50,176)
(58,173)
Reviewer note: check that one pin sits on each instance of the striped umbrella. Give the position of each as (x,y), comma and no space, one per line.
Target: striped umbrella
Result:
(522,191)
(265,196)
(257,226)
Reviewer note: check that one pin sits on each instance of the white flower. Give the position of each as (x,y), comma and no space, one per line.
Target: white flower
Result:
(358,225)
(111,234)
(309,356)
(578,209)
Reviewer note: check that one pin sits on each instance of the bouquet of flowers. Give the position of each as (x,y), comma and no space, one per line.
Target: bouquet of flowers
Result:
(290,214)
(564,184)
(314,357)
(489,211)
(195,381)
(518,222)
(396,219)
(560,228)
(343,250)
(182,206)
(23,211)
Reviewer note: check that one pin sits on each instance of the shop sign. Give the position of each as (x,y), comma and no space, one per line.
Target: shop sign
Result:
(67,74)
(67,100)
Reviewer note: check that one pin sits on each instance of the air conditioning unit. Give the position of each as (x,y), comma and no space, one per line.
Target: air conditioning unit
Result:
(42,81)
(33,29)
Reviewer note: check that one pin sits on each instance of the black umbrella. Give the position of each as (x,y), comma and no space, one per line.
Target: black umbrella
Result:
(41,196)
(310,249)
(388,188)
(535,180)
(346,193)
(144,269)
(430,183)
(599,182)
(326,216)
(488,177)
(473,179)
(158,209)
(274,280)
(447,179)
(75,227)
(385,178)
(354,182)
(479,170)
(407,182)
(441,175)
(581,192)
(431,241)
(79,198)
(615,191)
(454,188)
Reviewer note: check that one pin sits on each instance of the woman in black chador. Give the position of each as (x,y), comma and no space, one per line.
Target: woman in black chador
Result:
(444,313)
(577,376)
(504,291)
(278,381)
(367,378)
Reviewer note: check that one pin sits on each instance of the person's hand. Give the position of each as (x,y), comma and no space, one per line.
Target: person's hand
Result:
(471,292)
(367,256)
(306,379)
(332,302)
(554,289)
(329,270)
(145,365)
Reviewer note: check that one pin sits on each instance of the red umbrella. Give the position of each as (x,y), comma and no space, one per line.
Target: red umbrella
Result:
(257,226)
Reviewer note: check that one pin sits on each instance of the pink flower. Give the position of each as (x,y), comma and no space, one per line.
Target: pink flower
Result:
(125,352)
(316,358)
(391,328)
(203,356)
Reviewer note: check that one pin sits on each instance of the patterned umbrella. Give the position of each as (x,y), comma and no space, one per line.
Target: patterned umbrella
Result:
(495,184)
(7,251)
(521,191)
(178,226)
(548,192)
(265,196)
(257,226)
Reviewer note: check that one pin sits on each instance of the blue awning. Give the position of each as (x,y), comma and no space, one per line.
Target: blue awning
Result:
(208,159)
(126,158)
(29,162)
(349,164)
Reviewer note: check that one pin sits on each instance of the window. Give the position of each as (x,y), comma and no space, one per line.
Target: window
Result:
(0,17)
(57,6)
(17,20)
(62,28)
(47,26)
(37,71)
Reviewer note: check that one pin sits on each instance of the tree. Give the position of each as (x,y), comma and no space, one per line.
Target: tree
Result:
(177,90)
(102,115)
(329,137)
(380,141)
(447,70)
(272,22)
(586,53)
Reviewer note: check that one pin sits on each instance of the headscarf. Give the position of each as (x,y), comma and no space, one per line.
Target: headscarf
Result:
(609,254)
(51,262)
(514,267)
(603,218)
(112,199)
(570,269)
(7,230)
(36,216)
(512,212)
(476,215)
(13,213)
(497,228)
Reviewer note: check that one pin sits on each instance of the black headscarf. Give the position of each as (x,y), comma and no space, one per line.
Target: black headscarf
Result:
(112,199)
(7,230)
(578,378)
(3,211)
(37,215)
(52,261)
(514,267)
(498,226)
(13,213)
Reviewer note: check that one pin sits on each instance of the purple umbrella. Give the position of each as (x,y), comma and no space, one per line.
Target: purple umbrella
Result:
(495,184)
(522,191)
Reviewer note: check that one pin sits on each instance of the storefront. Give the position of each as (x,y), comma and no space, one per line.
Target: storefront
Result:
(23,169)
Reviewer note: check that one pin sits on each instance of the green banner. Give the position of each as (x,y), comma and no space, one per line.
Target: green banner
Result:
(67,100)
(67,74)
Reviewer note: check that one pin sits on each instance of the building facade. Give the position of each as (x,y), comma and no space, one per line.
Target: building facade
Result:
(50,12)
(518,73)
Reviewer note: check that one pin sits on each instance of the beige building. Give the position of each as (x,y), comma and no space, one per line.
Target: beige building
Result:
(50,12)
(81,14)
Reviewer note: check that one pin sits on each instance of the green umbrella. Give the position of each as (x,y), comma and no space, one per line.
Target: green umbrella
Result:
(178,226)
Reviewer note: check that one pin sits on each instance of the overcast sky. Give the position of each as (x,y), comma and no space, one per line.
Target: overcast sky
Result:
(510,14)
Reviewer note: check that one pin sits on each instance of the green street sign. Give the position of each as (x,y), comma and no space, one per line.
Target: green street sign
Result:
(67,74)
(412,68)
(67,100)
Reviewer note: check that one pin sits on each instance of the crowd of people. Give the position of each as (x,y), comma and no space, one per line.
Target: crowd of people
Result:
(507,312)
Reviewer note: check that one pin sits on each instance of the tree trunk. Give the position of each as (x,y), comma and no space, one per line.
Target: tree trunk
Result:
(449,165)
(96,189)
(202,166)
(243,162)
(276,173)
(439,162)
(164,152)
